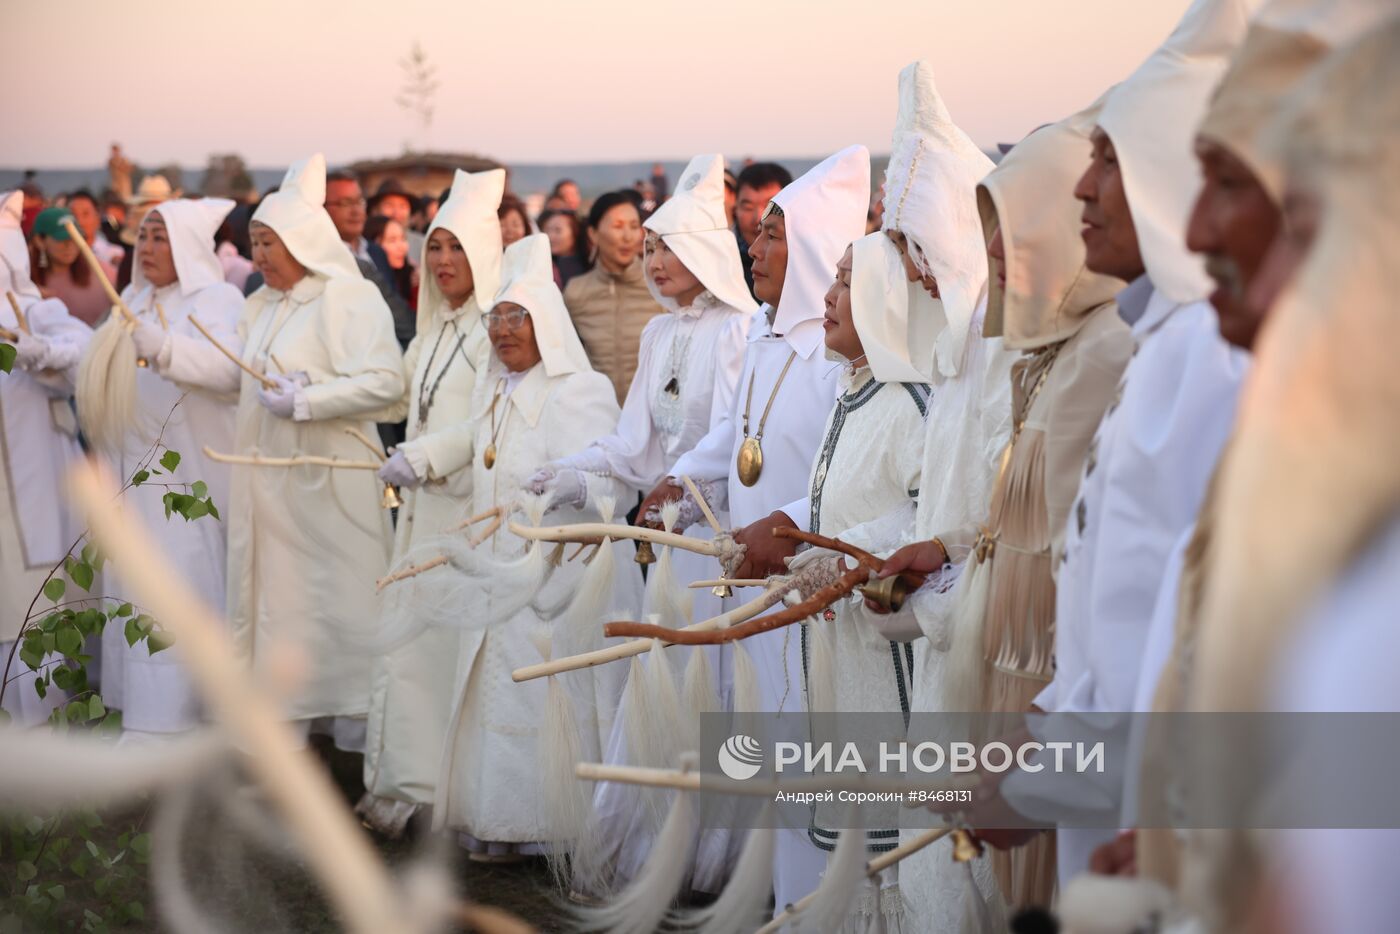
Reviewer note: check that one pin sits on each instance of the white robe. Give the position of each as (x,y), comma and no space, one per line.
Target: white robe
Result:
(491,785)
(306,544)
(790,441)
(859,475)
(411,686)
(187,390)
(38,444)
(1144,480)
(701,347)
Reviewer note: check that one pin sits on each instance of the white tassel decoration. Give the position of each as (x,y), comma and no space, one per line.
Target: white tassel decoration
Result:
(700,696)
(567,801)
(106,386)
(963,670)
(821,667)
(742,906)
(845,872)
(642,906)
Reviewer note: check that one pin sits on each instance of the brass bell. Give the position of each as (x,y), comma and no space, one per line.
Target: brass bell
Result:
(644,553)
(965,848)
(391,498)
(889,592)
(722,591)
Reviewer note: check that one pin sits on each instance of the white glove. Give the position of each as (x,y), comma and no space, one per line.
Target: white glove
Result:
(149,339)
(538,482)
(566,487)
(32,352)
(690,511)
(397,471)
(299,377)
(281,399)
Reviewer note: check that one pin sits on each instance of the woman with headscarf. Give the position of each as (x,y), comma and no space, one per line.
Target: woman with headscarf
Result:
(537,401)
(307,542)
(687,369)
(184,401)
(411,693)
(611,303)
(38,444)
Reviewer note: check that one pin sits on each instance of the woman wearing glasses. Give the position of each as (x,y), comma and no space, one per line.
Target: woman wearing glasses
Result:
(538,400)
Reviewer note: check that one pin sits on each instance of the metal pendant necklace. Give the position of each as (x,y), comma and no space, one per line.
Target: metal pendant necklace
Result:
(750,459)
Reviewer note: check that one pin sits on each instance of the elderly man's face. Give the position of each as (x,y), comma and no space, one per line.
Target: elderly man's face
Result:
(1110,239)
(1232,225)
(1300,216)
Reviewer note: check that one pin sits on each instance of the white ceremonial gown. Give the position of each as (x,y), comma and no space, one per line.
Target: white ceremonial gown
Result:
(307,543)
(491,783)
(1143,482)
(187,397)
(38,444)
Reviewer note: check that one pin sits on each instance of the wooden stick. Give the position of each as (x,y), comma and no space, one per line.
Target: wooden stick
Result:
(336,849)
(872,868)
(410,571)
(164,321)
(20,319)
(691,780)
(641,646)
(277,363)
(704,506)
(728,582)
(597,530)
(301,460)
(96,265)
(814,604)
(266,383)
(360,436)
(7,335)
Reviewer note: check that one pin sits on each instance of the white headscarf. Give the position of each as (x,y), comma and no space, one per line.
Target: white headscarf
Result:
(824,212)
(880,311)
(297,213)
(190,226)
(14,252)
(527,274)
(1152,119)
(931,197)
(693,225)
(469,214)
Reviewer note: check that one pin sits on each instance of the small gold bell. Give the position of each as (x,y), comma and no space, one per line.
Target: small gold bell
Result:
(644,553)
(488,457)
(889,592)
(965,848)
(722,591)
(391,498)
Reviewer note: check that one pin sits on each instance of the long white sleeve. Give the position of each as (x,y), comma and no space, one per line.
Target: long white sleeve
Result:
(188,358)
(358,334)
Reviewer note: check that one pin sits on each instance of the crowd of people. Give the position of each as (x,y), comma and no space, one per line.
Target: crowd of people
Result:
(1116,409)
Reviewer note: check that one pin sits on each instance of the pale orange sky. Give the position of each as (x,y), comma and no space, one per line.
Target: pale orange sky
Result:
(541,80)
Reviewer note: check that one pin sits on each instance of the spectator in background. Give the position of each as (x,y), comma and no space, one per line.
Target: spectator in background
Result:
(430,209)
(237,267)
(391,199)
(566,190)
(758,183)
(60,272)
(391,238)
(611,303)
(515,223)
(345,203)
(89,221)
(34,202)
(566,244)
(647,191)
(731,195)
(113,216)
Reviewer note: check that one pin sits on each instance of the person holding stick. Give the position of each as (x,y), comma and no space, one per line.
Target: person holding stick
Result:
(182,400)
(306,543)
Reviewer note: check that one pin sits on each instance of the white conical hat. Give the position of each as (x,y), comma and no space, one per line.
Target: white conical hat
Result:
(1152,119)
(824,212)
(527,279)
(469,214)
(931,197)
(297,212)
(693,225)
(14,251)
(880,306)
(191,225)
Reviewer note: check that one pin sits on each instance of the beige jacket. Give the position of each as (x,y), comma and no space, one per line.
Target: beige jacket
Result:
(609,313)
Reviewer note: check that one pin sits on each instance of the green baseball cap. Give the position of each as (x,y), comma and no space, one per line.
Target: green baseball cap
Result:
(49,223)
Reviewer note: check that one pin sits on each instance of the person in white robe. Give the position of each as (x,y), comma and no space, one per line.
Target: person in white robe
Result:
(538,401)
(687,369)
(761,451)
(38,445)
(184,402)
(411,694)
(1146,471)
(307,542)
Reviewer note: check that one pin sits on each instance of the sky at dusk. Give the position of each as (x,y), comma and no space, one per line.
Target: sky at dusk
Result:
(542,80)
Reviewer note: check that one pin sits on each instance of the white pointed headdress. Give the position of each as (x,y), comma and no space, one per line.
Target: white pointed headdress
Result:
(469,214)
(190,225)
(297,212)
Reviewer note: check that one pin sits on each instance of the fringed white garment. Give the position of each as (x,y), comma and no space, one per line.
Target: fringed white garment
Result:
(858,475)
(38,443)
(186,397)
(1144,478)
(306,544)
(491,783)
(411,685)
